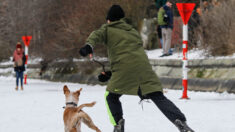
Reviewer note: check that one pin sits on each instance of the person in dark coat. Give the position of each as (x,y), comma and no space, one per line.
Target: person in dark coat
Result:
(131,71)
(19,64)
(159,33)
(166,21)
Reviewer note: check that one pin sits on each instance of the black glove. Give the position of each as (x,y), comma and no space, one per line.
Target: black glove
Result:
(84,51)
(105,76)
(166,19)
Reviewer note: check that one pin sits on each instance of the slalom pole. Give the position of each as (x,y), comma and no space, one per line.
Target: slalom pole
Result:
(26,63)
(185,10)
(26,40)
(185,62)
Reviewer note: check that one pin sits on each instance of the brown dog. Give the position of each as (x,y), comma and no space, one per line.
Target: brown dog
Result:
(73,115)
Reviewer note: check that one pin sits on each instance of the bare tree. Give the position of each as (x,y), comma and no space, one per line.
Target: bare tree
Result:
(59,28)
(217,29)
(67,24)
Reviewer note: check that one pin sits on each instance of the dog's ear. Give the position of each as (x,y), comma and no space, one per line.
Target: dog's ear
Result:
(78,91)
(66,89)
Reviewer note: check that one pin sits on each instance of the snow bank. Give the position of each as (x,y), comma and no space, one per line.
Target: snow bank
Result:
(192,54)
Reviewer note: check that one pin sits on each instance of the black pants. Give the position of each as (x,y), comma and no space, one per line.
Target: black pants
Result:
(165,105)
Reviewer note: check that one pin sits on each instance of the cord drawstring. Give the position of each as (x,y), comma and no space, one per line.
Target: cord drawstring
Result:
(142,102)
(143,98)
(93,59)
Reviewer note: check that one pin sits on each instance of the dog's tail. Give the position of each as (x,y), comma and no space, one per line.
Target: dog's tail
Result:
(79,108)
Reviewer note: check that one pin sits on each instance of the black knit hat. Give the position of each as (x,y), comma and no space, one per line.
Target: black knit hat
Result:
(115,13)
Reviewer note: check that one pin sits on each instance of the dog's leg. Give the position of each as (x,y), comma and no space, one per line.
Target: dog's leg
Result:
(87,120)
(70,130)
(74,124)
(78,127)
(85,105)
(73,130)
(66,130)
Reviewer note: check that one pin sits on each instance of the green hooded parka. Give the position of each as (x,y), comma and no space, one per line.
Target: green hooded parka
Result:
(129,63)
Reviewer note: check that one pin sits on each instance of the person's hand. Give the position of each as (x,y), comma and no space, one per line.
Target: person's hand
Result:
(84,51)
(105,76)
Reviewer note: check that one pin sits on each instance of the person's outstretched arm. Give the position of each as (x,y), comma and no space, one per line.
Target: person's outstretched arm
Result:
(96,37)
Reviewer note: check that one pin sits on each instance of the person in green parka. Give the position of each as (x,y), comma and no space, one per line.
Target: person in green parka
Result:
(131,72)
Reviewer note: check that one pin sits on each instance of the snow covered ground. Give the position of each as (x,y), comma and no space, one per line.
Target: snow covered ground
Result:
(39,109)
(192,54)
(30,61)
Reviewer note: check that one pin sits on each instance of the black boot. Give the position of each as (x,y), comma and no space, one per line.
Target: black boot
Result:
(182,126)
(120,126)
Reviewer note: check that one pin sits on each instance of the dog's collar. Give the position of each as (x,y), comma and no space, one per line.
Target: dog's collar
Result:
(71,103)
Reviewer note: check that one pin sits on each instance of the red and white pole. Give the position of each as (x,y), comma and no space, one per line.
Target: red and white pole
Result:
(185,62)
(185,10)
(26,40)
(26,63)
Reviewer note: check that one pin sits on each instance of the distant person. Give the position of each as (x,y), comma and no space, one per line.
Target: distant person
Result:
(19,64)
(206,7)
(165,20)
(131,72)
(159,33)
(199,12)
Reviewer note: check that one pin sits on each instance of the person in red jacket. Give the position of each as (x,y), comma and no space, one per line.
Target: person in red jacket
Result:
(19,64)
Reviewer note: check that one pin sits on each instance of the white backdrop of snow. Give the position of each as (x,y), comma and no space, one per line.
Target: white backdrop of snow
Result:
(39,109)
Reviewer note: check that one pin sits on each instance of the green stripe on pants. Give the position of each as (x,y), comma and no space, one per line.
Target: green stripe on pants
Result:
(108,109)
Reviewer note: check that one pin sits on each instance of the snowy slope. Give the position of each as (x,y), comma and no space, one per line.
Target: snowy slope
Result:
(39,109)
